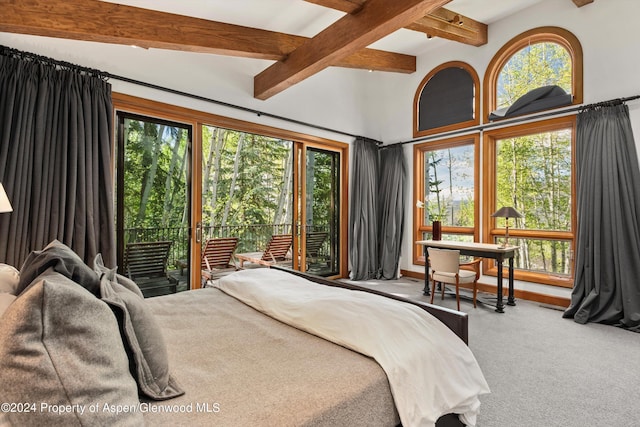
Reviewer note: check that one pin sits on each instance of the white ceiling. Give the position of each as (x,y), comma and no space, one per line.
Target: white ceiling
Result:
(302,18)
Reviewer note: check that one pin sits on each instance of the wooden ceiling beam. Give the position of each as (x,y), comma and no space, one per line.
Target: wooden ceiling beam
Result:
(348,6)
(348,35)
(451,26)
(114,23)
(439,23)
(119,24)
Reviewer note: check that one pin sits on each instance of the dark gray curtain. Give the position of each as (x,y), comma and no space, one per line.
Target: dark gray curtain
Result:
(363,238)
(607,270)
(55,158)
(391,205)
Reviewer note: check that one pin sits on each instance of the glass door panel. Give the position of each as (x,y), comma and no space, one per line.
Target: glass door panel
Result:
(321,213)
(153,199)
(246,188)
(256,186)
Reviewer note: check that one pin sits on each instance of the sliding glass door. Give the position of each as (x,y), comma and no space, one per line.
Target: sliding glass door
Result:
(249,182)
(154,199)
(320,211)
(256,186)
(246,187)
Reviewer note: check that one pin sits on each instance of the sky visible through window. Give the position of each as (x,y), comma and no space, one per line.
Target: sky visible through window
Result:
(449,190)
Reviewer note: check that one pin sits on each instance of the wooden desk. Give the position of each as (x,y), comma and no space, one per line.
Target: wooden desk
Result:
(484,250)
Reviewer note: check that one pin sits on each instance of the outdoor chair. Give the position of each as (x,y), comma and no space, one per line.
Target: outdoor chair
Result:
(445,268)
(277,251)
(315,240)
(217,257)
(146,264)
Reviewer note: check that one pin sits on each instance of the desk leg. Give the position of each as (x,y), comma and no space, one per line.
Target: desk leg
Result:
(511,299)
(499,304)
(426,276)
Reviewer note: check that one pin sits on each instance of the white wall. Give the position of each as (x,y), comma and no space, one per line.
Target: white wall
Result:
(611,69)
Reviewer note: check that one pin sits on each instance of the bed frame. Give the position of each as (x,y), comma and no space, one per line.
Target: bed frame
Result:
(457,321)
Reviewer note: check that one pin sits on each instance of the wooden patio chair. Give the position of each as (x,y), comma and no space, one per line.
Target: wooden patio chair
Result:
(146,265)
(217,257)
(315,240)
(276,251)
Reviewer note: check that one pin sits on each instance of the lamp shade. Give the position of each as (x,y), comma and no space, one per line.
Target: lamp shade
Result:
(5,205)
(507,212)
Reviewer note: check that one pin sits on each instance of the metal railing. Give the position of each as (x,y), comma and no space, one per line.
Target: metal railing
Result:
(252,238)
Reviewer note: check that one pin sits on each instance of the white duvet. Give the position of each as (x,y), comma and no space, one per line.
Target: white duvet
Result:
(431,371)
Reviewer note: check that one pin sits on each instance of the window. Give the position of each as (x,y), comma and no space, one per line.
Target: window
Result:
(539,57)
(245,180)
(458,84)
(533,66)
(529,167)
(446,182)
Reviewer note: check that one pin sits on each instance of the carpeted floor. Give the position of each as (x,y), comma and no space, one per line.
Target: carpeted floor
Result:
(544,370)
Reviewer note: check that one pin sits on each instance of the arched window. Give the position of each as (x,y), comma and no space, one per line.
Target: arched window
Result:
(536,70)
(446,99)
(530,166)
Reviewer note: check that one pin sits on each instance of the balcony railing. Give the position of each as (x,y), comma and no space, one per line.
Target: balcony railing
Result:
(252,238)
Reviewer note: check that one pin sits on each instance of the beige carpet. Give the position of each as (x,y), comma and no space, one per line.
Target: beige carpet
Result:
(545,370)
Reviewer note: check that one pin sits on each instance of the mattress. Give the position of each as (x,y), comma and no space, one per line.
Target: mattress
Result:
(240,367)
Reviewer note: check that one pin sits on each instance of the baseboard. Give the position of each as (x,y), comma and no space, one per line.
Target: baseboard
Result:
(518,293)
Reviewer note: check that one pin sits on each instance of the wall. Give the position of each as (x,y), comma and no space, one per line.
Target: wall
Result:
(611,64)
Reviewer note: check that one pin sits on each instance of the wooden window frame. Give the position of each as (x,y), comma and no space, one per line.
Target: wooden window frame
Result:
(537,35)
(197,119)
(490,231)
(419,227)
(476,100)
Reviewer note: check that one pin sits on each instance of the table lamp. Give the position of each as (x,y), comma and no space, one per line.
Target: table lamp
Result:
(506,212)
(5,205)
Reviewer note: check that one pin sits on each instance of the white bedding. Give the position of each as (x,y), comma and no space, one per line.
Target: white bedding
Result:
(431,371)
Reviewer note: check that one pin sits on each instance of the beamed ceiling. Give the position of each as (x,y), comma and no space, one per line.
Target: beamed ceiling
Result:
(343,43)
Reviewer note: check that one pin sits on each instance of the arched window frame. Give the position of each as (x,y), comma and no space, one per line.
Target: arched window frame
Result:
(476,101)
(537,35)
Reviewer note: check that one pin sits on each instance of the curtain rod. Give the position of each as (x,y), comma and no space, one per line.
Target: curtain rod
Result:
(503,123)
(226,104)
(7,51)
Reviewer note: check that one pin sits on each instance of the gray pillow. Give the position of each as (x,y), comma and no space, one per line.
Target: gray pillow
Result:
(60,345)
(63,260)
(113,276)
(143,340)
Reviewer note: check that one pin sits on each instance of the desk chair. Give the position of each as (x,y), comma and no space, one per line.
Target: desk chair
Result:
(445,268)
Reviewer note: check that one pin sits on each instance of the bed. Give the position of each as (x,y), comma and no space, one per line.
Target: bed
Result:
(98,354)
